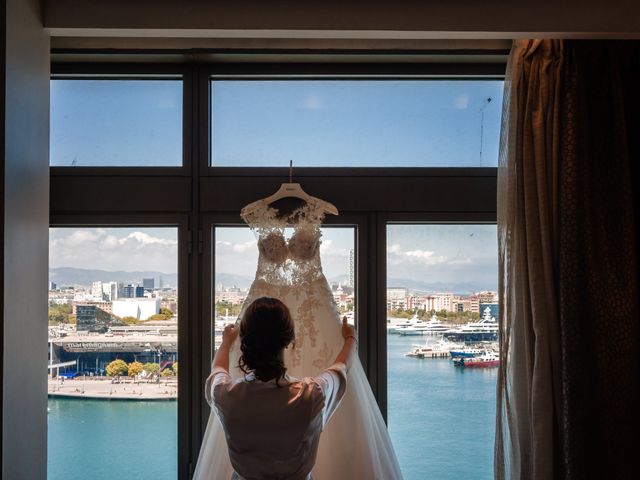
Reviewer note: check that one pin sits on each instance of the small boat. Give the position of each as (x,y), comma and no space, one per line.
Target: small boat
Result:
(488,359)
(419,351)
(466,352)
(439,349)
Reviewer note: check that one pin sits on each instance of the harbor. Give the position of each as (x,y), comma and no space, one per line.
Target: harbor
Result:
(451,410)
(472,345)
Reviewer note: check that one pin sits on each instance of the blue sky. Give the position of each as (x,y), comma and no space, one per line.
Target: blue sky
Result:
(267,123)
(116,123)
(355,123)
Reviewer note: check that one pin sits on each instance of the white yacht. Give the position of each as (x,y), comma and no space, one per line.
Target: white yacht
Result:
(484,330)
(432,327)
(396,325)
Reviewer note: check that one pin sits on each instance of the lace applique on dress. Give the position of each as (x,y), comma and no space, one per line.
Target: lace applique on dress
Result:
(287,268)
(295,262)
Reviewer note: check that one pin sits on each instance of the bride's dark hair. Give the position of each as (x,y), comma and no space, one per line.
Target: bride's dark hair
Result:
(265,329)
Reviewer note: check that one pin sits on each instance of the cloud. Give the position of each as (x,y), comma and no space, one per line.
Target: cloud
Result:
(312,102)
(396,255)
(394,249)
(424,254)
(111,249)
(461,102)
(461,261)
(328,248)
(144,239)
(236,247)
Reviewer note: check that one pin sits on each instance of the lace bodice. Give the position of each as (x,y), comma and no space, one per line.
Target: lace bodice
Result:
(294,261)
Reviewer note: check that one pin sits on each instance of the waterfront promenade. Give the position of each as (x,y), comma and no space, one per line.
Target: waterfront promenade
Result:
(102,388)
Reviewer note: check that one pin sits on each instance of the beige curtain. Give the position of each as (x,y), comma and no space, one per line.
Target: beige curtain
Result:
(529,378)
(568,207)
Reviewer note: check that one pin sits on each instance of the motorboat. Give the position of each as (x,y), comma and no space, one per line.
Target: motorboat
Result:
(466,352)
(419,351)
(487,359)
(438,349)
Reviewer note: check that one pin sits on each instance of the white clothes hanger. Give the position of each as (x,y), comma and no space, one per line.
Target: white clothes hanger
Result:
(291,189)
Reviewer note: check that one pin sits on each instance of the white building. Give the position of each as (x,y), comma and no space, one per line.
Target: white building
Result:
(140,308)
(440,301)
(110,290)
(96,290)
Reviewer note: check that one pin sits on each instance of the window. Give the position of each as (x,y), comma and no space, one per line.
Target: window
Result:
(441,281)
(227,132)
(236,259)
(355,123)
(113,353)
(116,123)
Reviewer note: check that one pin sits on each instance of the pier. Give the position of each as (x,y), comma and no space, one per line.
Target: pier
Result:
(103,388)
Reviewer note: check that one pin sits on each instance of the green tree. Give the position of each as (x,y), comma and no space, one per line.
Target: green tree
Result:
(175,367)
(151,367)
(130,320)
(56,317)
(135,368)
(157,316)
(167,372)
(166,312)
(117,367)
(59,313)
(223,307)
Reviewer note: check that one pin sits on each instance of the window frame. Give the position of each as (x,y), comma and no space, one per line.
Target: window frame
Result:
(139,72)
(200,196)
(185,330)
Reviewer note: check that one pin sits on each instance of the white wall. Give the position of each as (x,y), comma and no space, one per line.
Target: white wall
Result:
(140,308)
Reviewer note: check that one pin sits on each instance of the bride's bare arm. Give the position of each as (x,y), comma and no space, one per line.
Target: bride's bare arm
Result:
(350,336)
(222,354)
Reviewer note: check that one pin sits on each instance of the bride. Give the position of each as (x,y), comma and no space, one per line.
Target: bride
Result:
(355,443)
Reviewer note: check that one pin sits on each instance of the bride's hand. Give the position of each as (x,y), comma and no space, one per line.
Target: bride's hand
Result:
(348,330)
(229,334)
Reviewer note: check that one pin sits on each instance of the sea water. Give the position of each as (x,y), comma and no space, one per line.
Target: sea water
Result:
(441,419)
(112,439)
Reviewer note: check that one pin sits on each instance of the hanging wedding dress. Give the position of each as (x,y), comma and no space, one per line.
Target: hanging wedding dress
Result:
(355,444)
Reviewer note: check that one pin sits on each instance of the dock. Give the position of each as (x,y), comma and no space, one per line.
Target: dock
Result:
(104,389)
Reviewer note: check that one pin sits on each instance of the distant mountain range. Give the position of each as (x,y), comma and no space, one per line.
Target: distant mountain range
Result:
(69,276)
(463,288)
(230,280)
(79,276)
